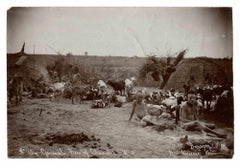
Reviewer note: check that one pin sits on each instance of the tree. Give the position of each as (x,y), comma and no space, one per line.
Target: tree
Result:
(160,68)
(69,54)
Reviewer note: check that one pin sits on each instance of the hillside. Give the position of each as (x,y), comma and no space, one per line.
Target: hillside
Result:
(114,67)
(103,66)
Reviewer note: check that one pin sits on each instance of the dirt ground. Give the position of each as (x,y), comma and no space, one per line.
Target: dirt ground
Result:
(39,128)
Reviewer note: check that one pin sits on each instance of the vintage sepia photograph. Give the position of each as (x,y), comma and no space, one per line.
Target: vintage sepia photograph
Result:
(120,82)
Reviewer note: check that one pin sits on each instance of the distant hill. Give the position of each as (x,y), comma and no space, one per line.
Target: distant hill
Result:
(101,66)
(115,67)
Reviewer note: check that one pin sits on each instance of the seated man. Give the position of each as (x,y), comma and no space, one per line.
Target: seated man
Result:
(189,120)
(188,109)
(139,106)
(149,114)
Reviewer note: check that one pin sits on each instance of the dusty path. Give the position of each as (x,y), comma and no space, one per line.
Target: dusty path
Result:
(34,120)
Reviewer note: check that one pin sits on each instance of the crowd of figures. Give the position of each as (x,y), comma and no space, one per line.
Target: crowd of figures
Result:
(185,106)
(189,110)
(216,99)
(163,108)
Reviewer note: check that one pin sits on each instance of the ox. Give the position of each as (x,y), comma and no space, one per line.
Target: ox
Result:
(117,86)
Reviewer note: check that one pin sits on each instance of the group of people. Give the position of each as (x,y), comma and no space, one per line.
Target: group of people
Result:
(183,109)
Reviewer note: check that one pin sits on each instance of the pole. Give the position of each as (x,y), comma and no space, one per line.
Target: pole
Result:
(34,49)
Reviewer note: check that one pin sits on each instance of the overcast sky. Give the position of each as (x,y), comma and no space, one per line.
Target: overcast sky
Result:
(121,31)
